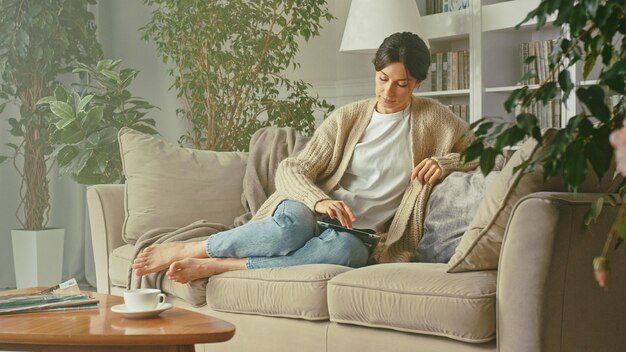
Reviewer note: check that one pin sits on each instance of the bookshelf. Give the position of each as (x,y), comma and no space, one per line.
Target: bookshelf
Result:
(487,30)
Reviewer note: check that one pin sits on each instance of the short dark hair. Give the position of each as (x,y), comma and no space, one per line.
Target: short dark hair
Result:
(407,48)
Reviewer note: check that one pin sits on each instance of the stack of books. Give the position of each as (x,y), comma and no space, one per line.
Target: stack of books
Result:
(541,51)
(461,110)
(549,115)
(439,6)
(62,297)
(450,71)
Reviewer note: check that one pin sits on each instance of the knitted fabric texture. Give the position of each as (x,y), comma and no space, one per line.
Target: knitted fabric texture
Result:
(435,133)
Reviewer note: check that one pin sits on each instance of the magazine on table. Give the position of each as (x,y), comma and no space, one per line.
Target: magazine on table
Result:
(65,296)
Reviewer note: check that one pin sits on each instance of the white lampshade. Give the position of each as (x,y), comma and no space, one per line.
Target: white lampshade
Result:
(371,21)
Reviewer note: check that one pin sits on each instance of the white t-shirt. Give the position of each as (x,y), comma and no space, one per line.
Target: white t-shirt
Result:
(379,171)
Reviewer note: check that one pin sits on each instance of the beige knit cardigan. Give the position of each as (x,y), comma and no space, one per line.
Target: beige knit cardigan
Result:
(435,133)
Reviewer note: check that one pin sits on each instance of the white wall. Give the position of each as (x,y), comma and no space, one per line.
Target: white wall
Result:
(337,77)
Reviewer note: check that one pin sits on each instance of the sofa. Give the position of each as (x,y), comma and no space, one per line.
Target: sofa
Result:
(541,297)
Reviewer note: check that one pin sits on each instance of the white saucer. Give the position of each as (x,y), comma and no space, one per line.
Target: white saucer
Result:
(122,309)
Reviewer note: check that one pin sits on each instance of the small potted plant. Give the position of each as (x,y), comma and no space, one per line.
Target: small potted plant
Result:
(86,121)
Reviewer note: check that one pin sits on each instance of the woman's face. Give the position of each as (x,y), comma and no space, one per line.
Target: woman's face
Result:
(394,88)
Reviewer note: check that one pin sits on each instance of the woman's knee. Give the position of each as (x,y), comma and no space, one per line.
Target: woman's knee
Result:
(295,221)
(345,249)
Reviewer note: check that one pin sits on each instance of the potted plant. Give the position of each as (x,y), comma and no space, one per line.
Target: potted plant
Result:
(229,60)
(86,121)
(40,41)
(593,31)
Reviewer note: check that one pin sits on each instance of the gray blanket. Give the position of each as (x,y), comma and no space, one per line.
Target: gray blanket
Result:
(268,147)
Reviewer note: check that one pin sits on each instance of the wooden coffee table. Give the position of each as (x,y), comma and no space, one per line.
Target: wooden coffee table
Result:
(102,330)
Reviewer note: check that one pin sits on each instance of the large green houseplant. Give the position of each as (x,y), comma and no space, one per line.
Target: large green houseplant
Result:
(229,60)
(40,40)
(592,32)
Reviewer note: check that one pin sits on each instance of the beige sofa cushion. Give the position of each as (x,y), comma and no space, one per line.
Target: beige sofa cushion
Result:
(170,186)
(417,297)
(119,264)
(479,248)
(292,292)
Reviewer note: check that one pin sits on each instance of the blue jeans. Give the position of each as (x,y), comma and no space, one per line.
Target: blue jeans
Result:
(289,237)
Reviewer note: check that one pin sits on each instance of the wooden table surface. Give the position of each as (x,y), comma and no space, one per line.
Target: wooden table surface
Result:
(93,329)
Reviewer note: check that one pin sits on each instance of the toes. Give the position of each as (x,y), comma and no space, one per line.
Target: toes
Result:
(175,266)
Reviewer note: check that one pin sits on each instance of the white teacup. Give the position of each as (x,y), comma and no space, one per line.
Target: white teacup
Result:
(143,299)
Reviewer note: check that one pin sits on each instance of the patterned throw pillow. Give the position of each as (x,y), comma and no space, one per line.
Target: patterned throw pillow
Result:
(451,206)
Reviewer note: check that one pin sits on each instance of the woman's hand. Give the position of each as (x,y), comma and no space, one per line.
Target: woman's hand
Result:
(427,171)
(336,209)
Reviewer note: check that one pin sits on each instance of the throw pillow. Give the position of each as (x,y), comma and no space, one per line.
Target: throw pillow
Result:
(451,206)
(170,186)
(479,248)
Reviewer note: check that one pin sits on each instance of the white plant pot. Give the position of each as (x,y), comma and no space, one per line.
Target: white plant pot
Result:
(38,257)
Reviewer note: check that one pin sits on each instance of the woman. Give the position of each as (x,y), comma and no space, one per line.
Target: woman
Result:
(371,164)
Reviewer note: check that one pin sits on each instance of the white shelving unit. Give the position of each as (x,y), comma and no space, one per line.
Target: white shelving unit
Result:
(487,30)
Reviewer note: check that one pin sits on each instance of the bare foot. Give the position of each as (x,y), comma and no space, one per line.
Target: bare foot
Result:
(159,257)
(190,269)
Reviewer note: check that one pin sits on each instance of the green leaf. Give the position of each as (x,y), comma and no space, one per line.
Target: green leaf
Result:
(66,154)
(92,120)
(472,152)
(3,159)
(514,98)
(145,129)
(46,100)
(592,7)
(593,98)
(527,122)
(590,62)
(62,110)
(487,160)
(62,124)
(574,168)
(60,93)
(83,102)
(71,134)
(77,164)
(565,81)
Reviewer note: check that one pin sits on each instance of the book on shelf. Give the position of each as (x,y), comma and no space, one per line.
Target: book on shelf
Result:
(549,115)
(541,51)
(449,71)
(62,297)
(461,110)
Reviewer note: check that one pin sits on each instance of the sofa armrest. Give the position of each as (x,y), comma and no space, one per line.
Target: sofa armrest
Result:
(547,298)
(106,217)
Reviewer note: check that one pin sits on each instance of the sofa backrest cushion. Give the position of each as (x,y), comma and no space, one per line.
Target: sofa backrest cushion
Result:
(480,245)
(171,186)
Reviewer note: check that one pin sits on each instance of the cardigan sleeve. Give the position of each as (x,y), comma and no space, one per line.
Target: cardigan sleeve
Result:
(452,161)
(463,137)
(295,176)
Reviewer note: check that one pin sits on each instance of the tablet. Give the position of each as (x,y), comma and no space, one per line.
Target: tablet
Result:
(365,235)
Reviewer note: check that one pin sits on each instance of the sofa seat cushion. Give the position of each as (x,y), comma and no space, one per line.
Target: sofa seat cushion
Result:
(419,298)
(291,292)
(119,264)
